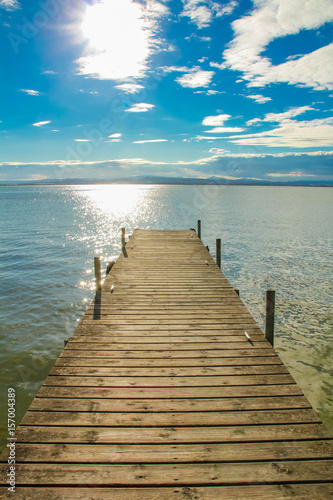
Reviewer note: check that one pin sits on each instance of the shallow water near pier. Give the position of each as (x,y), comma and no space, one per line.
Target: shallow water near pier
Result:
(272,237)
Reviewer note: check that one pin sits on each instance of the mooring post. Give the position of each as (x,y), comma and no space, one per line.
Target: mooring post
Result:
(123,238)
(98,276)
(218,252)
(199,228)
(270,306)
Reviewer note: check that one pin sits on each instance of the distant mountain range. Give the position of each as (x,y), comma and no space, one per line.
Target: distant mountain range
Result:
(219,181)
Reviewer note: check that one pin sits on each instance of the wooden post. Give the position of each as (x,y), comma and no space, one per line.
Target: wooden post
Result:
(218,252)
(98,277)
(270,306)
(122,237)
(199,228)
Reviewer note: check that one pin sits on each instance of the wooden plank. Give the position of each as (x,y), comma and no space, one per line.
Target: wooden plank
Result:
(319,491)
(207,381)
(174,453)
(154,435)
(177,371)
(170,346)
(169,392)
(228,351)
(168,475)
(162,419)
(176,405)
(181,362)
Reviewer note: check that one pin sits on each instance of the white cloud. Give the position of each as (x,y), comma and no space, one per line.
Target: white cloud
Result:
(260,99)
(130,88)
(82,140)
(41,124)
(215,121)
(150,140)
(205,138)
(171,69)
(217,65)
(114,138)
(121,36)
(223,130)
(203,12)
(269,21)
(49,72)
(218,151)
(140,107)
(194,36)
(30,92)
(195,78)
(281,117)
(295,173)
(10,4)
(292,133)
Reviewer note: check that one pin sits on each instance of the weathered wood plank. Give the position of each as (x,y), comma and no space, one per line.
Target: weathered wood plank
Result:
(178,405)
(319,491)
(155,435)
(174,453)
(207,381)
(228,351)
(182,362)
(177,371)
(169,392)
(169,475)
(162,419)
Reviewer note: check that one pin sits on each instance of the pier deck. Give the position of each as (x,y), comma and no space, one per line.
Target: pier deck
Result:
(159,395)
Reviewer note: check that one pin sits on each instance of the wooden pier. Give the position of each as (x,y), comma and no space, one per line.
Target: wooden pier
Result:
(159,394)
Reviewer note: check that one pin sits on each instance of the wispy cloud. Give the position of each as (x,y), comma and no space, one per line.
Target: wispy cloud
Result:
(224,130)
(203,12)
(215,121)
(274,19)
(195,78)
(259,98)
(281,117)
(10,4)
(292,133)
(140,107)
(41,124)
(130,88)
(296,173)
(30,92)
(114,138)
(150,140)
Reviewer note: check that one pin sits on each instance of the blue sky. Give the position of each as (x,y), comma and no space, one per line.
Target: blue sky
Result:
(187,88)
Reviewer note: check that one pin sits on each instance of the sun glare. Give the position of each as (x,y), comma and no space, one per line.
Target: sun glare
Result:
(118,37)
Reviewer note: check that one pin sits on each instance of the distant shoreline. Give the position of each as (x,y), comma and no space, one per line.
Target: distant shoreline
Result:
(210,181)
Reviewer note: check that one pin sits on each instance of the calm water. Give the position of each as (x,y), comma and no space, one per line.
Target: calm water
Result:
(272,237)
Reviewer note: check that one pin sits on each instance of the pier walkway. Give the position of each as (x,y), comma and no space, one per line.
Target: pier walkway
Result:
(159,395)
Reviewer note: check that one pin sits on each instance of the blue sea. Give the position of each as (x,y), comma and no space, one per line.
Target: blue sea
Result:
(272,237)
